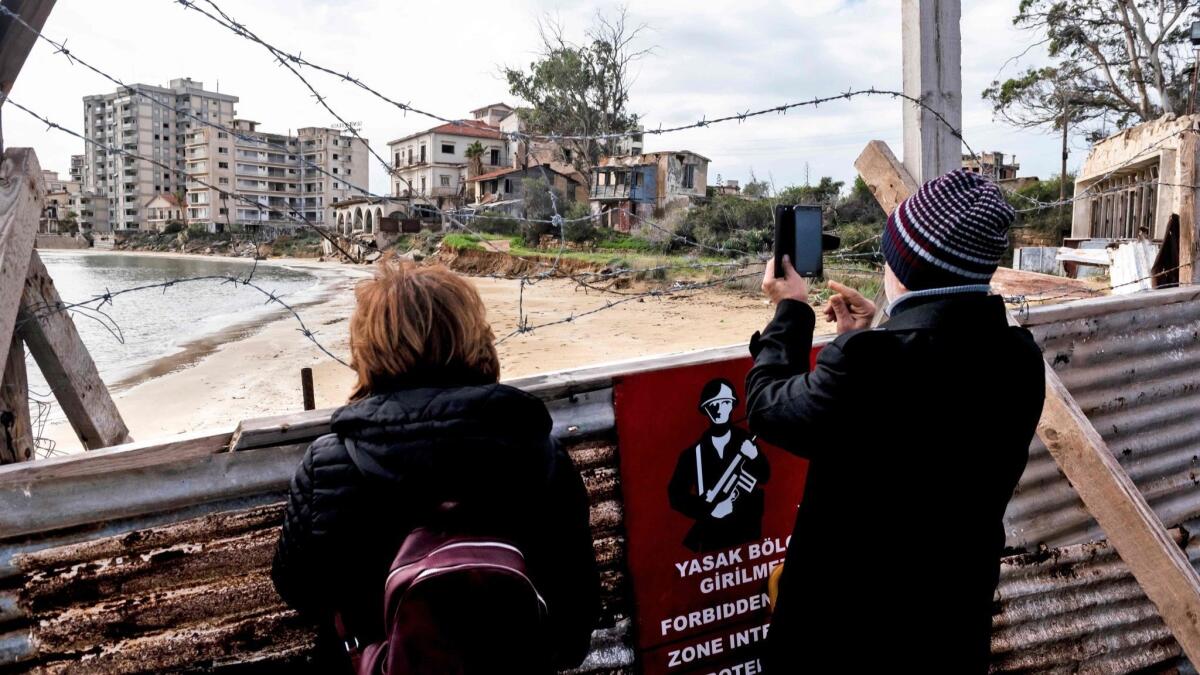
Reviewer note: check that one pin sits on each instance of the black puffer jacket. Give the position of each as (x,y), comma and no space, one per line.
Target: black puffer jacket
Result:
(487,448)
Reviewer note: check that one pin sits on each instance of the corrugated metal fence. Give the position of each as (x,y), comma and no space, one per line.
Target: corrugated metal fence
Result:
(155,558)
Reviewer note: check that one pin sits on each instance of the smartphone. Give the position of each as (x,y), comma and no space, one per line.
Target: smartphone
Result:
(798,235)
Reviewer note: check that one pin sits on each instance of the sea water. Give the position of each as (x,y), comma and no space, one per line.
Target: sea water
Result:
(135,329)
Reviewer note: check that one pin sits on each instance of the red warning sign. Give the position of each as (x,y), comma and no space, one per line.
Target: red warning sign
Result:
(709,510)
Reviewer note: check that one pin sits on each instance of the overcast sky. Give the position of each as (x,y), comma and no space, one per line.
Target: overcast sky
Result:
(711,59)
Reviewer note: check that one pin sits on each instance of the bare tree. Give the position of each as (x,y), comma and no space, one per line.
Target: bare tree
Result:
(581,88)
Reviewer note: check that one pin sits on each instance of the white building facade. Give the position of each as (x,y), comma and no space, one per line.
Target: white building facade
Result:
(126,119)
(255,178)
(431,166)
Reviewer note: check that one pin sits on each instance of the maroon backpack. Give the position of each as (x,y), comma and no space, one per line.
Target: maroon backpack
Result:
(456,605)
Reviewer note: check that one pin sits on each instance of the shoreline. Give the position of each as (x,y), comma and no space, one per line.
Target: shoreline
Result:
(243,372)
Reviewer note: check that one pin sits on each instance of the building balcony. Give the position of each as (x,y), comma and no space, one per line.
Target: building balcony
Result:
(620,192)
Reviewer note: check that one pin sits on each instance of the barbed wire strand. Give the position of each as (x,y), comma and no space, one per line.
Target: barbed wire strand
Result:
(286,59)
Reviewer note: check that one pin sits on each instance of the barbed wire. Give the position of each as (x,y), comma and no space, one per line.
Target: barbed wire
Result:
(293,62)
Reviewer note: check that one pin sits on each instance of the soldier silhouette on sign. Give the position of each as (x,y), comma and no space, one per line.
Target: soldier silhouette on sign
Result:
(718,479)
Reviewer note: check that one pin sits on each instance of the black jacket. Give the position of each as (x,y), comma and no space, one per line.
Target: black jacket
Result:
(917,433)
(488,449)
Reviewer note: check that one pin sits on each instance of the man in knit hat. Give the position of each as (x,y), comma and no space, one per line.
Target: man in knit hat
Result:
(916,431)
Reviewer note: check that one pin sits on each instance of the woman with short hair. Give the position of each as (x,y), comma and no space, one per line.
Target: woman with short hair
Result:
(434,440)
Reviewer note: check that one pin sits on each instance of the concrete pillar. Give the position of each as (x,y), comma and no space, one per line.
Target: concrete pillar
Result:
(932,55)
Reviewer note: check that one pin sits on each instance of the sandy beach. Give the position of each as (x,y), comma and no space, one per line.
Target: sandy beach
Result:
(253,370)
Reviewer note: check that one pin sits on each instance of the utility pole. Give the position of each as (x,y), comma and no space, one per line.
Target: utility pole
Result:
(1062,173)
(932,56)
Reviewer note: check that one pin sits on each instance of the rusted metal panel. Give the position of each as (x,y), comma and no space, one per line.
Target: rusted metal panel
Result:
(197,595)
(1133,365)
(1077,609)
(84,593)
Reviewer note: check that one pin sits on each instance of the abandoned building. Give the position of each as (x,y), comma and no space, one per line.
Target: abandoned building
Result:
(627,187)
(503,190)
(164,208)
(992,165)
(1130,183)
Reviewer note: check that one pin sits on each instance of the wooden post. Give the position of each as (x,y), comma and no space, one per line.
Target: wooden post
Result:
(70,371)
(21,193)
(16,432)
(1158,564)
(932,51)
(1186,173)
(306,384)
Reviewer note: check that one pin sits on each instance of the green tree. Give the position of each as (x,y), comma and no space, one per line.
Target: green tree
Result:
(581,88)
(68,223)
(540,202)
(756,189)
(859,206)
(825,193)
(1126,60)
(474,154)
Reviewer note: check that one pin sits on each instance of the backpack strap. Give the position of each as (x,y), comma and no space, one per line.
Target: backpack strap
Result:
(349,640)
(364,462)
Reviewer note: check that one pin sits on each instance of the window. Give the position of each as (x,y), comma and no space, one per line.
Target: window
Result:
(445,180)
(422,154)
(222,151)
(335,170)
(223,211)
(422,180)
(347,172)
(222,165)
(335,156)
(495,158)
(507,185)
(397,162)
(222,134)
(689,176)
(448,148)
(223,181)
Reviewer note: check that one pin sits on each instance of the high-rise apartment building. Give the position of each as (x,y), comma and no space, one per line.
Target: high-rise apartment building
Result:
(77,169)
(251,177)
(126,119)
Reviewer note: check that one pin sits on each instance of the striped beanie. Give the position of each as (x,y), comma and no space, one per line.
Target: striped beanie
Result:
(952,232)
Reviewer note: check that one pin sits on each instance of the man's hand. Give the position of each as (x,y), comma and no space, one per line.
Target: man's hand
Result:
(725,506)
(849,309)
(791,287)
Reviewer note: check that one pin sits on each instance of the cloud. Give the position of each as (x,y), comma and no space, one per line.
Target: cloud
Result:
(712,59)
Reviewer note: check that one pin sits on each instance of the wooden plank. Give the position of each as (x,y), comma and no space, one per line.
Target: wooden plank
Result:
(65,362)
(281,429)
(16,432)
(16,40)
(1159,565)
(889,181)
(21,193)
(1189,144)
(129,457)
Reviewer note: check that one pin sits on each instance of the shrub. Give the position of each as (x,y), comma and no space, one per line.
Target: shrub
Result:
(495,223)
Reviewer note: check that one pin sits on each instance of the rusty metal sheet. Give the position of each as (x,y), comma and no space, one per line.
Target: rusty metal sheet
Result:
(197,594)
(190,590)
